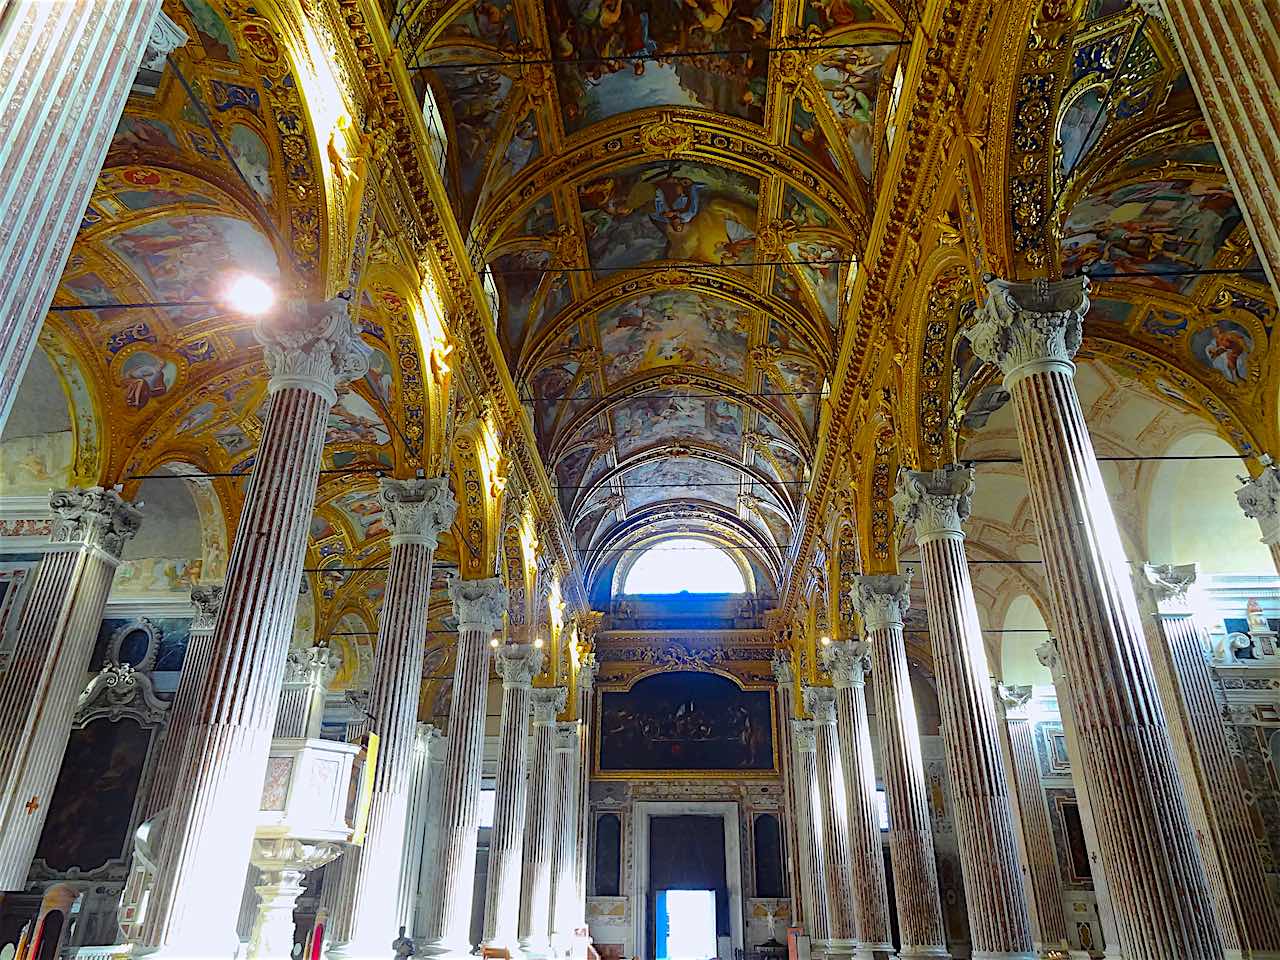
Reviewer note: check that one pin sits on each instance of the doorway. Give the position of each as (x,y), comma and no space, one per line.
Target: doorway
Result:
(684,925)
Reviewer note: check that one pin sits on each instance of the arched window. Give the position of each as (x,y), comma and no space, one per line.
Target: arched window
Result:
(684,566)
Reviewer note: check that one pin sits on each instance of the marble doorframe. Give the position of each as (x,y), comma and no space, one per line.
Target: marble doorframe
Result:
(643,812)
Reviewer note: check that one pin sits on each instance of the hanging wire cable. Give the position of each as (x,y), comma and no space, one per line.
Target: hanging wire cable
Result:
(692,265)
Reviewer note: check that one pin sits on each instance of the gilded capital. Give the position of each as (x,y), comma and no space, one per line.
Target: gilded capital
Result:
(1259,498)
(207,599)
(548,702)
(820,703)
(935,502)
(804,733)
(478,604)
(517,664)
(882,599)
(847,663)
(416,511)
(313,346)
(1032,326)
(94,517)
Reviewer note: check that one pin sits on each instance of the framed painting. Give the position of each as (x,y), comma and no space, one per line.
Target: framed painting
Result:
(685,724)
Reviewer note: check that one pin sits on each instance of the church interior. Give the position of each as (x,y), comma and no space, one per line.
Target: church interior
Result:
(639,480)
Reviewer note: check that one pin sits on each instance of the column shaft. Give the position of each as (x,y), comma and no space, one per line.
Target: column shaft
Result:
(210,827)
(1149,849)
(415,512)
(52,649)
(564,832)
(786,753)
(480,605)
(416,827)
(437,750)
(847,662)
(882,601)
(517,664)
(535,878)
(832,804)
(65,72)
(813,866)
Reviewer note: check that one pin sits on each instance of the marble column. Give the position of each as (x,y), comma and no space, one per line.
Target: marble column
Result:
(1159,889)
(50,661)
(1047,654)
(1232,55)
(566,745)
(813,867)
(1259,498)
(1215,792)
(882,601)
(1044,878)
(479,606)
(937,503)
(309,351)
(535,875)
(437,752)
(586,679)
(420,787)
(65,72)
(820,703)
(848,664)
(517,664)
(207,599)
(416,511)
(785,681)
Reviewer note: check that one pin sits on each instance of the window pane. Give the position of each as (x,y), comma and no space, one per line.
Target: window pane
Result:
(692,566)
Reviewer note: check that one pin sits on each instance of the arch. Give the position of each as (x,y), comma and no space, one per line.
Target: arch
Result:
(714,571)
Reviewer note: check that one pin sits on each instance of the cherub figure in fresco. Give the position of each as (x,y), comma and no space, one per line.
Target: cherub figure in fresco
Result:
(608,194)
(1228,351)
(676,202)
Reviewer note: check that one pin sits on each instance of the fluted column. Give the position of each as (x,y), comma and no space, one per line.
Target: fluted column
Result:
(437,752)
(82,57)
(813,867)
(535,876)
(309,351)
(207,599)
(936,503)
(586,679)
(416,511)
(1047,654)
(1158,884)
(308,671)
(1049,927)
(1215,793)
(479,606)
(820,702)
(785,681)
(1232,55)
(420,786)
(1259,498)
(566,746)
(848,664)
(51,654)
(517,664)
(882,601)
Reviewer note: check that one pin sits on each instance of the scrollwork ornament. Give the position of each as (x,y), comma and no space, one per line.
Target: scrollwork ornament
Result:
(313,346)
(882,599)
(95,517)
(1031,327)
(935,502)
(417,511)
(479,604)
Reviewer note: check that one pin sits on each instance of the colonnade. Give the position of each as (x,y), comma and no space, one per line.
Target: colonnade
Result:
(1180,870)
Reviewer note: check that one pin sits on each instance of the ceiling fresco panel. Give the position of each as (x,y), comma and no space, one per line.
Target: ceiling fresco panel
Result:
(681,478)
(650,420)
(672,328)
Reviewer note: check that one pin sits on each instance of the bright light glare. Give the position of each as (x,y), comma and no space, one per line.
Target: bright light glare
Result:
(676,566)
(691,924)
(249,295)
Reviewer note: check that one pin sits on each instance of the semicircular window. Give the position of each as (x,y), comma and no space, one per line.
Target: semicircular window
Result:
(684,566)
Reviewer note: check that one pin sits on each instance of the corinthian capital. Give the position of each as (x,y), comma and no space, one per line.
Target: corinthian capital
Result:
(313,346)
(565,737)
(804,733)
(935,502)
(547,702)
(517,664)
(1050,656)
(821,703)
(94,517)
(1259,498)
(416,511)
(1165,585)
(312,666)
(882,599)
(781,665)
(1013,700)
(207,599)
(478,604)
(847,663)
(1033,326)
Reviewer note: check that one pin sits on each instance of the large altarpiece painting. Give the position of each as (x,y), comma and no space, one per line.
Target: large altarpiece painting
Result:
(685,722)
